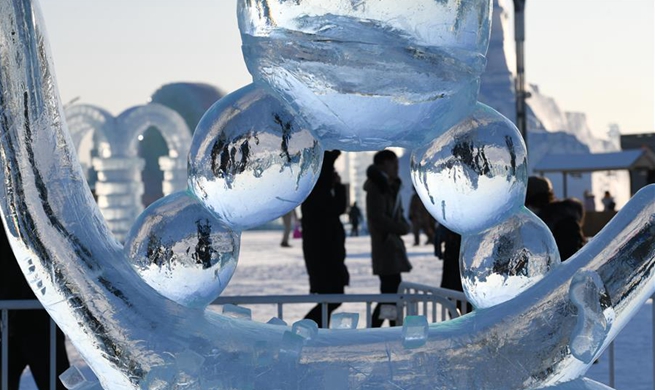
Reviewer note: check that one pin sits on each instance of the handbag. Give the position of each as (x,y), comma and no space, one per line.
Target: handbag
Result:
(297,233)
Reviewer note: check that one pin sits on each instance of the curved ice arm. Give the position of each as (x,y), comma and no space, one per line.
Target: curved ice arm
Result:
(134,338)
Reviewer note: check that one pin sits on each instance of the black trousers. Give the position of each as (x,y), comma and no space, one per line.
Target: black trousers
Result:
(388,285)
(316,314)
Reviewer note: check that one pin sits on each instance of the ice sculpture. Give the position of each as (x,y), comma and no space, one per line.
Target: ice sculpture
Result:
(134,338)
(501,262)
(182,250)
(369,74)
(119,187)
(475,175)
(244,143)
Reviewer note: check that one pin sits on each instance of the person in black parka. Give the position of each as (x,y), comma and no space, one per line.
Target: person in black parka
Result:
(564,217)
(323,236)
(387,225)
(29,330)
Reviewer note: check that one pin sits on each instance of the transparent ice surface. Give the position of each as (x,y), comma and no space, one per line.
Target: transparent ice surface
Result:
(251,159)
(235,311)
(189,361)
(595,314)
(133,337)
(276,321)
(292,344)
(473,176)
(415,331)
(307,329)
(344,320)
(183,250)
(72,378)
(503,261)
(372,73)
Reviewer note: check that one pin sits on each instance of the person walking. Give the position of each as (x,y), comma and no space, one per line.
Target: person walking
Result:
(354,216)
(386,224)
(287,220)
(323,236)
(608,202)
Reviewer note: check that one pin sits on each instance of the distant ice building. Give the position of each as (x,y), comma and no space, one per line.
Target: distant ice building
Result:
(551,129)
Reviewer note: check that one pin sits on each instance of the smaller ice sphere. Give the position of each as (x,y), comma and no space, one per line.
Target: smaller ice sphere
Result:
(234,311)
(503,261)
(415,331)
(246,142)
(183,250)
(344,320)
(369,74)
(475,175)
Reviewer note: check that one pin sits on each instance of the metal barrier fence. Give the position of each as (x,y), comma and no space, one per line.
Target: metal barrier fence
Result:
(5,307)
(435,303)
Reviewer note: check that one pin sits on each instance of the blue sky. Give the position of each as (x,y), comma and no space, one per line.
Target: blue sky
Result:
(594,56)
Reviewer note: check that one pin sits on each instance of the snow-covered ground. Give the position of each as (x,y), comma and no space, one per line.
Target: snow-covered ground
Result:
(265,268)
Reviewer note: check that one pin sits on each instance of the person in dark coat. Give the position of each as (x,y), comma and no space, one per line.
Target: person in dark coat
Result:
(386,224)
(421,220)
(354,215)
(323,236)
(564,218)
(29,330)
(451,242)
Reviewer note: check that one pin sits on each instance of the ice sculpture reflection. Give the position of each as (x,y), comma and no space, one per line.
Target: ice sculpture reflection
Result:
(501,262)
(244,143)
(134,338)
(369,74)
(182,250)
(475,175)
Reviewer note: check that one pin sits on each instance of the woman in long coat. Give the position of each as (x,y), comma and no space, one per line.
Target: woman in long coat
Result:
(323,236)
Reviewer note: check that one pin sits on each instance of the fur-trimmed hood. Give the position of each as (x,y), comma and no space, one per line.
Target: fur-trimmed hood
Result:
(375,177)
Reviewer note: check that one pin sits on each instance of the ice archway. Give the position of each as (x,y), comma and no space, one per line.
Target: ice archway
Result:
(119,187)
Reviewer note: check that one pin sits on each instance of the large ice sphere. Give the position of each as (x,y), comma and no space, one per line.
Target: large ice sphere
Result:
(501,262)
(475,175)
(251,161)
(183,250)
(371,73)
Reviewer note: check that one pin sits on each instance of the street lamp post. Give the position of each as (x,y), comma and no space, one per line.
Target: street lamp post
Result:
(521,95)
